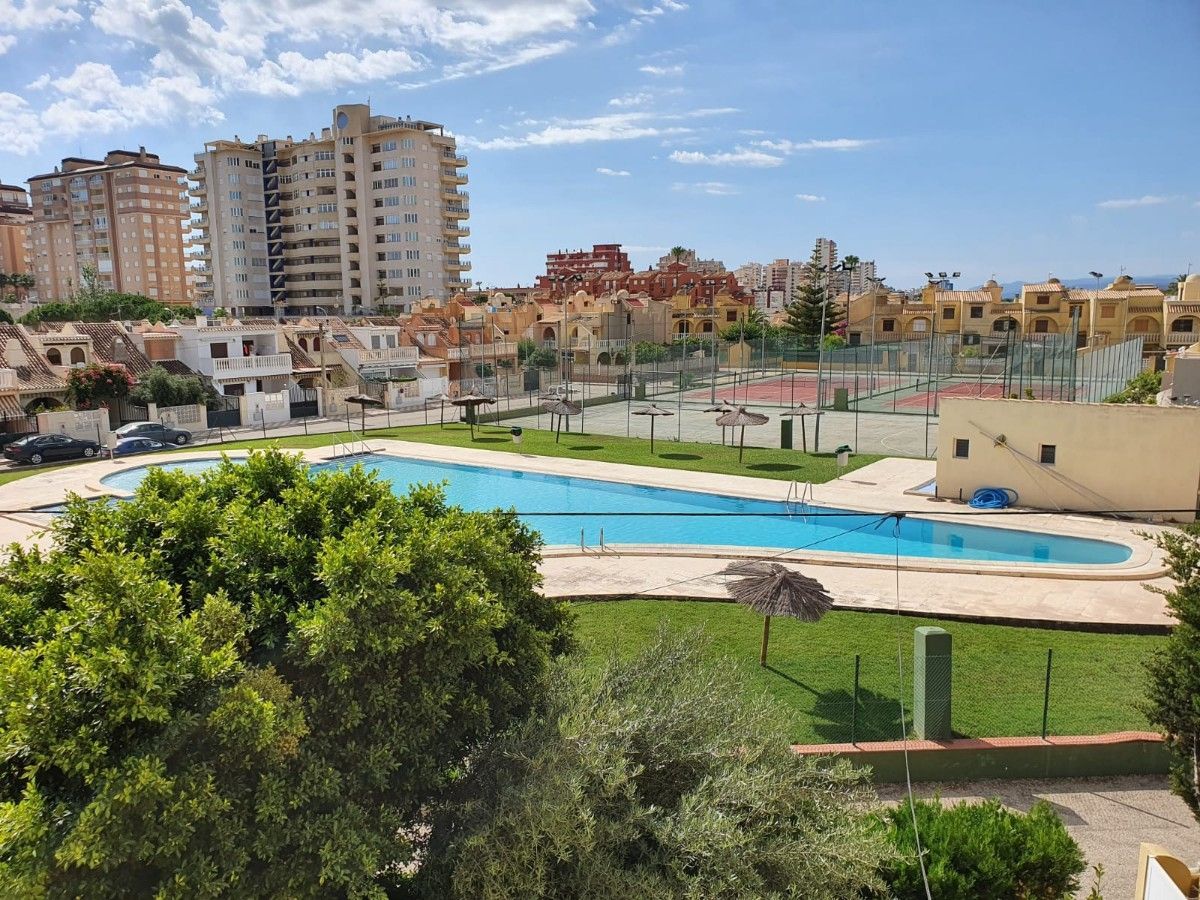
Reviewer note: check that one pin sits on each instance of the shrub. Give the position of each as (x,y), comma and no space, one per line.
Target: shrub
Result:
(91,387)
(1141,388)
(660,776)
(160,387)
(253,683)
(975,850)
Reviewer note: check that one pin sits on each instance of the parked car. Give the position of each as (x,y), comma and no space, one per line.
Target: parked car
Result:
(155,431)
(39,448)
(130,446)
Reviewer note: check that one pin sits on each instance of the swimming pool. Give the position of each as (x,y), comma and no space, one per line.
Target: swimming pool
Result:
(757,524)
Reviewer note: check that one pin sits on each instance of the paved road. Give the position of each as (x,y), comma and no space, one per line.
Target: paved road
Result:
(1108,817)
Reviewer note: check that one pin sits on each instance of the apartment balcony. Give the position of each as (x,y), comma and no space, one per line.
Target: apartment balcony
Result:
(200,207)
(1182,338)
(481,352)
(201,222)
(455,196)
(456,247)
(252,366)
(203,253)
(456,212)
(454,229)
(8,380)
(384,357)
(199,190)
(1149,338)
(458,265)
(455,158)
(460,283)
(453,176)
(197,174)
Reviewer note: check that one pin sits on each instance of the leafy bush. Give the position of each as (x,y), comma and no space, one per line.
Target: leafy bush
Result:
(160,387)
(647,352)
(92,387)
(661,776)
(1175,669)
(252,683)
(106,307)
(1141,388)
(975,850)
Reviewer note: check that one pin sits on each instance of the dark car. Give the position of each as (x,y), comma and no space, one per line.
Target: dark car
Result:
(155,431)
(46,447)
(130,446)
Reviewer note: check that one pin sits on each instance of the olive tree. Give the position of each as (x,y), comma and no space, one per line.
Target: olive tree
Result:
(659,776)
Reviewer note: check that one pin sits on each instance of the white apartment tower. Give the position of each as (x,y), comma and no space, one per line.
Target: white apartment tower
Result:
(368,214)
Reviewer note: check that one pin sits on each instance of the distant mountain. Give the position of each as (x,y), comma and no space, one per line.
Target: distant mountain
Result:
(1014,287)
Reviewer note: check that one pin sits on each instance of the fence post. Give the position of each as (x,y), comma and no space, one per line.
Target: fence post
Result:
(1046,698)
(854,708)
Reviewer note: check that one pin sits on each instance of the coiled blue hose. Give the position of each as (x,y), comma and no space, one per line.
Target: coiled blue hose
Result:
(992,498)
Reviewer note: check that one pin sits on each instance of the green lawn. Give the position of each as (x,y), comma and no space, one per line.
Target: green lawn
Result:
(790,465)
(999,671)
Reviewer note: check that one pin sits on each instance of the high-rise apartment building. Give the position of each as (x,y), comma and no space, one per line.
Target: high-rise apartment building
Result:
(367,214)
(15,215)
(122,216)
(863,277)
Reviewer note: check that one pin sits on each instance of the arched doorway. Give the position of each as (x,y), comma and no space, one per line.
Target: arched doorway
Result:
(1005,324)
(77,356)
(919,325)
(683,327)
(706,327)
(54,357)
(304,343)
(547,333)
(603,360)
(41,404)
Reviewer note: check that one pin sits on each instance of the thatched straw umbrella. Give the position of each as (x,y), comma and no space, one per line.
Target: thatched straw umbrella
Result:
(800,412)
(441,401)
(771,589)
(741,417)
(472,401)
(561,408)
(653,412)
(721,406)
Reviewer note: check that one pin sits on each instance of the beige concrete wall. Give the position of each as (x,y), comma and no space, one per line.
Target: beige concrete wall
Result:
(1107,456)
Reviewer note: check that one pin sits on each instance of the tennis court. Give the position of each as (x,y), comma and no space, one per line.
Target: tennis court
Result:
(793,389)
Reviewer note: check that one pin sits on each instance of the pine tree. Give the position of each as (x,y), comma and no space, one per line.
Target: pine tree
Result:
(804,312)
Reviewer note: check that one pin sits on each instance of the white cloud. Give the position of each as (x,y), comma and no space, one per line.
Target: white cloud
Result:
(810,198)
(715,188)
(6,42)
(786,146)
(1147,200)
(20,130)
(741,156)
(618,126)
(662,70)
(605,170)
(641,98)
(33,15)
(94,99)
(294,74)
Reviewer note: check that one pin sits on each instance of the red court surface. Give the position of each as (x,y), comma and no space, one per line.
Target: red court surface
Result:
(967,389)
(786,390)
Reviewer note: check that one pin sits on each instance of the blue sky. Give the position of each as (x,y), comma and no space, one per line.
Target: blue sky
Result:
(1020,139)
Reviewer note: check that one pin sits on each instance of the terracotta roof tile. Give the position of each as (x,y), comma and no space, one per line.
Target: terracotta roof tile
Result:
(301,361)
(33,373)
(105,337)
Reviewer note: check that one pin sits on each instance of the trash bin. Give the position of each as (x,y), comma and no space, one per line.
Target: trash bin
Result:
(516,434)
(785,434)
(843,456)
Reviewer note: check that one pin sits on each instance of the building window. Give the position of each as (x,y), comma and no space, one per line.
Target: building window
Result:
(1047,453)
(77,357)
(54,357)
(948,312)
(1041,326)
(962,448)
(976,312)
(1108,310)
(1043,298)
(889,324)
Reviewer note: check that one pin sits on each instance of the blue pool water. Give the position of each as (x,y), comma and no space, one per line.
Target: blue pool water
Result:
(480,487)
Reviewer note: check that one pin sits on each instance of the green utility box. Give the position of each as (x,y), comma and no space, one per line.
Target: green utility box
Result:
(785,434)
(931,683)
(841,399)
(639,391)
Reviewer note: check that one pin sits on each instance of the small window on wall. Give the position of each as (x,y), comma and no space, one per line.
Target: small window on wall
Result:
(1047,454)
(976,312)
(948,312)
(962,448)
(889,324)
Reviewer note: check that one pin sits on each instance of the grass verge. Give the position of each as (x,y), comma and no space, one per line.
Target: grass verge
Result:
(1096,685)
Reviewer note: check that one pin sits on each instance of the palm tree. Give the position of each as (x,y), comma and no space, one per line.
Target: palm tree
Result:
(771,589)
(24,283)
(677,253)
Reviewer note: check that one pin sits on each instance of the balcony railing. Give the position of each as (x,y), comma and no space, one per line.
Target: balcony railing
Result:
(455,230)
(1182,338)
(481,352)
(1149,337)
(259,366)
(457,159)
(383,356)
